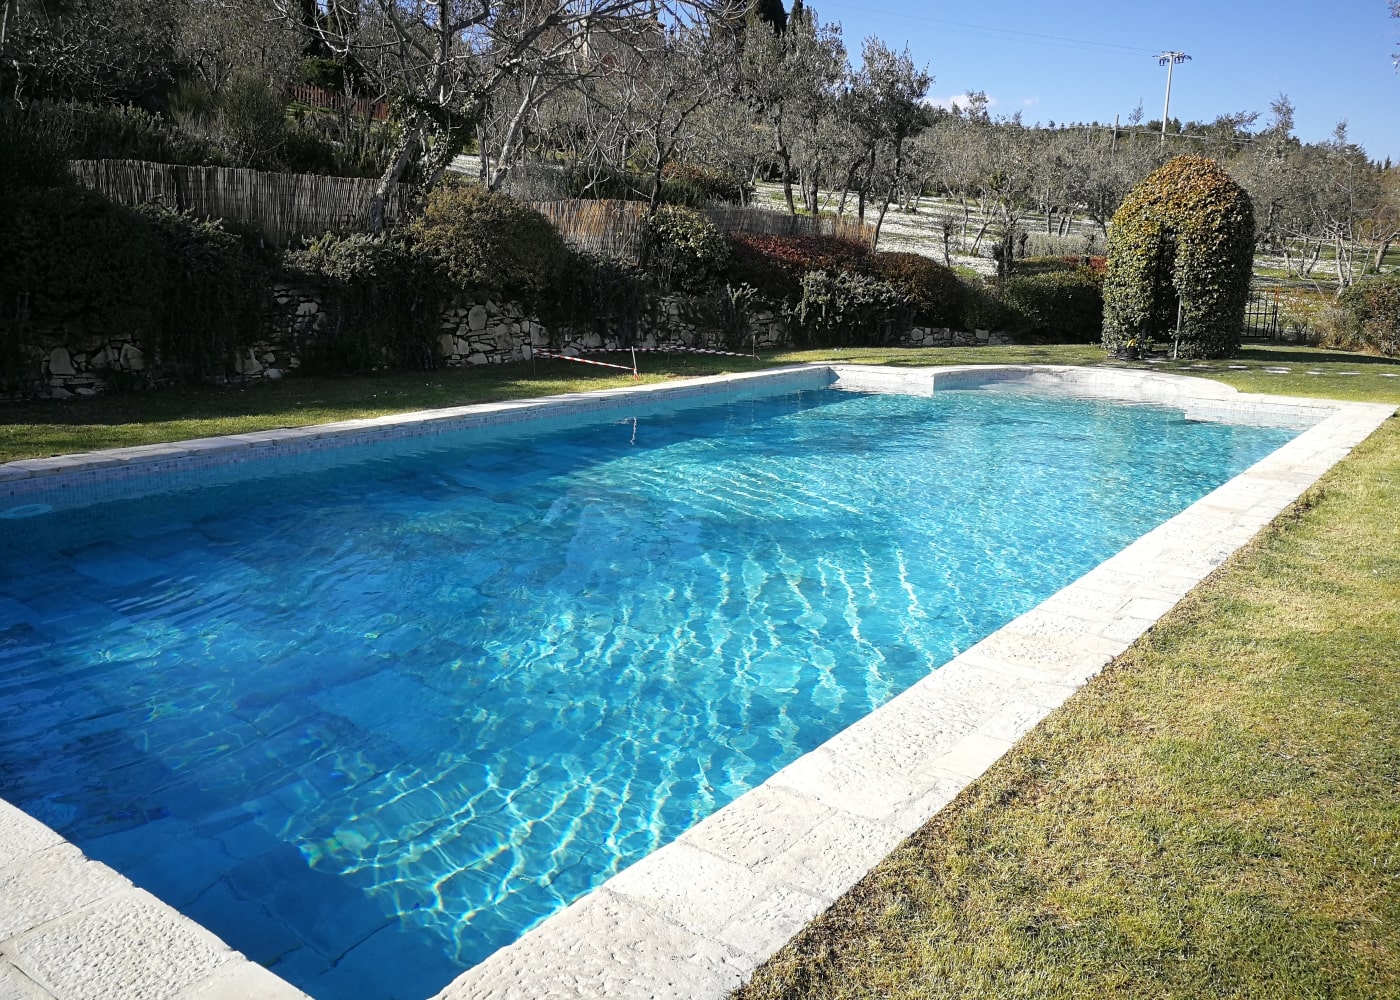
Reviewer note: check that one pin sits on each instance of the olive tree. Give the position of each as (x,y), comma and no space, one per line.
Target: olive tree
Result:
(444,64)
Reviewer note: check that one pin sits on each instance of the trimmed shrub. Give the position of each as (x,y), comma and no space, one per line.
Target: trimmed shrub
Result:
(481,241)
(685,250)
(380,301)
(775,265)
(841,309)
(985,310)
(696,185)
(1370,316)
(1065,306)
(937,295)
(1185,235)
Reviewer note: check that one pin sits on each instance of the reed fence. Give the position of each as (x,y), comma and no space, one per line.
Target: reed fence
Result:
(283,206)
(616,228)
(287,206)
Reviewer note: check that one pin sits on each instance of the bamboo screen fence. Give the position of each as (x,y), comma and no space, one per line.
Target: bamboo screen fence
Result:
(616,227)
(283,206)
(287,206)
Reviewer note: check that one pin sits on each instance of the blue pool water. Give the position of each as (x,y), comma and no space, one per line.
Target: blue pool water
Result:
(370,723)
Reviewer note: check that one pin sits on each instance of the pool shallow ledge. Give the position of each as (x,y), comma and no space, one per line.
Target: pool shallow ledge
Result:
(696,917)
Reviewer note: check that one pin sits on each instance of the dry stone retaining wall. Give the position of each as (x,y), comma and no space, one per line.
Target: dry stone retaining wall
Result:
(470,333)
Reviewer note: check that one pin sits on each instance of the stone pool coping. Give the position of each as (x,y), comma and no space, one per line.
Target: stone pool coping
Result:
(696,917)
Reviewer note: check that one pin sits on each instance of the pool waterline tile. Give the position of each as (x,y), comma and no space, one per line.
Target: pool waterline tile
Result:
(795,842)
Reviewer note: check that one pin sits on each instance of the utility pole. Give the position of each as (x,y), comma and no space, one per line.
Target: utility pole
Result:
(1169,60)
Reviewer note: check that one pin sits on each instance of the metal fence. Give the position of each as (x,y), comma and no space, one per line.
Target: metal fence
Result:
(318,97)
(282,206)
(1261,315)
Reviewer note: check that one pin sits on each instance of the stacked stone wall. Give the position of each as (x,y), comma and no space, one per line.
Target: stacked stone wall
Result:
(470,333)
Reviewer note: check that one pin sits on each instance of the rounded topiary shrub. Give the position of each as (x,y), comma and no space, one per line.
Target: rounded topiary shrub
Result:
(1184,236)
(1064,306)
(938,296)
(487,242)
(685,250)
(1370,316)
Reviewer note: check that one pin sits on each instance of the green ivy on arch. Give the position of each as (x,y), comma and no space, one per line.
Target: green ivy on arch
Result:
(1183,237)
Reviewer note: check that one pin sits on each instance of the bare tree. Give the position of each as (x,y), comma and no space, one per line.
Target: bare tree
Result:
(87,49)
(444,64)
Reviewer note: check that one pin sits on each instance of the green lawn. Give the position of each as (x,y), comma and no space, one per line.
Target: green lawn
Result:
(56,427)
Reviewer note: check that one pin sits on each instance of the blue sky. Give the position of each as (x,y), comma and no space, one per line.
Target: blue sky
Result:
(1089,59)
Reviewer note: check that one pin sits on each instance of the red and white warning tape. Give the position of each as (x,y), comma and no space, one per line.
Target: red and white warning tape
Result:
(582,361)
(668,350)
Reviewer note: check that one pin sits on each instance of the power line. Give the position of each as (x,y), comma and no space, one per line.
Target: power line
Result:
(1030,35)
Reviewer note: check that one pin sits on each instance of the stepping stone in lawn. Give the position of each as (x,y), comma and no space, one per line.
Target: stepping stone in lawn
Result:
(1278,371)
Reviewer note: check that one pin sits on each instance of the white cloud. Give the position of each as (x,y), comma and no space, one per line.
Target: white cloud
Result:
(1029,102)
(961,100)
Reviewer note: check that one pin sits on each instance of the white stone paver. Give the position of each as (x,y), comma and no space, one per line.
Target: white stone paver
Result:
(73,929)
(695,918)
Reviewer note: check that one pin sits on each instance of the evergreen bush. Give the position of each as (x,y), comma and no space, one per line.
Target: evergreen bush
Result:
(775,265)
(1064,306)
(79,262)
(1184,236)
(31,154)
(1370,316)
(123,132)
(938,296)
(843,309)
(216,291)
(685,251)
(696,185)
(187,292)
(380,299)
(481,241)
(598,294)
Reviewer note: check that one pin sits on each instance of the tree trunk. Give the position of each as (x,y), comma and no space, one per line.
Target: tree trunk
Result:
(785,158)
(393,174)
(1382,248)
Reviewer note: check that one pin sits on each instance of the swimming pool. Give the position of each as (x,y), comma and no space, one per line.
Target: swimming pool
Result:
(299,757)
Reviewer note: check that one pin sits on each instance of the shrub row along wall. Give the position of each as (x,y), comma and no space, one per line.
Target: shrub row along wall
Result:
(471,333)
